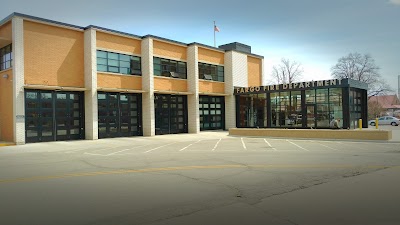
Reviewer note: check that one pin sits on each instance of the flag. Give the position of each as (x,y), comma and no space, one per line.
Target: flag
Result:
(216,28)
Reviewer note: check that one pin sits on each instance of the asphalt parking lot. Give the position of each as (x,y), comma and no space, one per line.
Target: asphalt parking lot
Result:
(209,178)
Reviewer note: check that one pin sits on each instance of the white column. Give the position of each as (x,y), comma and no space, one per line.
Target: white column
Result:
(193,86)
(148,86)
(91,112)
(235,75)
(18,80)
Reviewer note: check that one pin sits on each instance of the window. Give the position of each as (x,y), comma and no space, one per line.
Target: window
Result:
(5,57)
(211,72)
(118,63)
(169,68)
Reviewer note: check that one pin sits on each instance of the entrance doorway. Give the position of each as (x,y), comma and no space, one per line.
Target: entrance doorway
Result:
(53,116)
(170,114)
(311,121)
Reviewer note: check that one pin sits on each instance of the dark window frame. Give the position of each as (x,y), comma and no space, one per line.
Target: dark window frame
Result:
(6,57)
(134,62)
(215,72)
(169,68)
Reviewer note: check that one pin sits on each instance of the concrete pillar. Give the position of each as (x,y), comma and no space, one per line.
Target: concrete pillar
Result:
(18,98)
(193,86)
(235,75)
(148,117)
(91,109)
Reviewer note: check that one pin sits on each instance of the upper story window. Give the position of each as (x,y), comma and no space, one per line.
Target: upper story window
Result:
(211,72)
(169,68)
(5,57)
(118,63)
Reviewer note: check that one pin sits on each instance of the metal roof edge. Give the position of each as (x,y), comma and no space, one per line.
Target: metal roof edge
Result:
(113,31)
(47,20)
(207,46)
(164,39)
(6,19)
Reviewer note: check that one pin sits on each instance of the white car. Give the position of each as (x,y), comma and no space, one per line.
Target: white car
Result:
(385,120)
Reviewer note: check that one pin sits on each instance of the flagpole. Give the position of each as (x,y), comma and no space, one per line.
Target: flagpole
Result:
(214,34)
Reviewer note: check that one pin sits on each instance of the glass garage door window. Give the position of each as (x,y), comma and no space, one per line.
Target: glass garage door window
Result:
(119,115)
(53,116)
(170,114)
(212,111)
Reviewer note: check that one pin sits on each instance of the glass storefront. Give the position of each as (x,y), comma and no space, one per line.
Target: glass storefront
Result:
(308,105)
(252,111)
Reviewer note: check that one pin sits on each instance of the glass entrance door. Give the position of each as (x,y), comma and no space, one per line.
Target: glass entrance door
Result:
(311,116)
(170,114)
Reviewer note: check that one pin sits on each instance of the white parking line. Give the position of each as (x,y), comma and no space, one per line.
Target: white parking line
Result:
(270,145)
(215,146)
(88,153)
(159,147)
(76,150)
(244,145)
(128,149)
(325,146)
(189,145)
(297,145)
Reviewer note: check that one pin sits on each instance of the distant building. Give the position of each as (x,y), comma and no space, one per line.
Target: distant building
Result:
(390,103)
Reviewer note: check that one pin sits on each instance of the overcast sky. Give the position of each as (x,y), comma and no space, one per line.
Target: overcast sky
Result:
(315,33)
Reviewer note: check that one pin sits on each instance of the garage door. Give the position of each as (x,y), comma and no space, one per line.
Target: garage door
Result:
(53,116)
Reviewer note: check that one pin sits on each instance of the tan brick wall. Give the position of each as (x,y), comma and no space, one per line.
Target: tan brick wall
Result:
(169,84)
(119,43)
(53,55)
(254,71)
(6,106)
(119,81)
(207,55)
(5,34)
(169,51)
(211,87)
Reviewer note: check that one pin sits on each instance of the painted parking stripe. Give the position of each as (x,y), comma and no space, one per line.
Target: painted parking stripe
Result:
(128,149)
(159,147)
(244,145)
(270,145)
(325,145)
(189,145)
(297,145)
(215,146)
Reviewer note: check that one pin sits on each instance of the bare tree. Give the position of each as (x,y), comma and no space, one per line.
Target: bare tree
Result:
(362,68)
(374,109)
(287,71)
